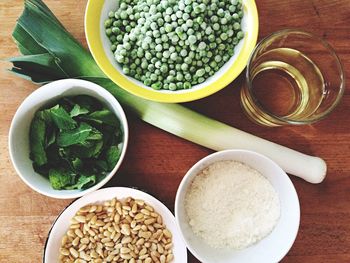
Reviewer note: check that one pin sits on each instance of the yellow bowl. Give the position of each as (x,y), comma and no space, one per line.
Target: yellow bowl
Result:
(97,13)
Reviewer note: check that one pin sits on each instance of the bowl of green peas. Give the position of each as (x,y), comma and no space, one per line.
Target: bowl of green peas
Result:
(171,50)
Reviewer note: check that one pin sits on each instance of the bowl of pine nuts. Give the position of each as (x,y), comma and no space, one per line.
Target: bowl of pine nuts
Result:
(116,224)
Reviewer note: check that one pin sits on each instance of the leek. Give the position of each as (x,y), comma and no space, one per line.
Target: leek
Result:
(49,52)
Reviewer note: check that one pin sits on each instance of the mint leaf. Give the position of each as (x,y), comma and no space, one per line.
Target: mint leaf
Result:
(83,182)
(87,102)
(86,149)
(77,164)
(37,139)
(77,110)
(112,156)
(74,136)
(50,137)
(102,117)
(62,119)
(102,165)
(60,178)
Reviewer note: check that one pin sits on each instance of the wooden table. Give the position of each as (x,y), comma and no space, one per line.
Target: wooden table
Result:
(156,161)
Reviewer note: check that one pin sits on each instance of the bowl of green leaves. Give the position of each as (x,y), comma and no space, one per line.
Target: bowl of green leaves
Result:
(68,138)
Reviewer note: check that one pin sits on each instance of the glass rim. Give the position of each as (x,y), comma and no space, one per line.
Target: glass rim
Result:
(327,46)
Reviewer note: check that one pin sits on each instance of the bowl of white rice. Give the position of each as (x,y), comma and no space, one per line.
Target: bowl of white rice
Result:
(237,206)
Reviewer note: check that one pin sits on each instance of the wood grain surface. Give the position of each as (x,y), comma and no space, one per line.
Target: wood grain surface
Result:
(156,161)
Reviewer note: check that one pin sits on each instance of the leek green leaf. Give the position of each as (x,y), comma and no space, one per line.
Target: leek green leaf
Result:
(44,64)
(56,40)
(27,74)
(26,44)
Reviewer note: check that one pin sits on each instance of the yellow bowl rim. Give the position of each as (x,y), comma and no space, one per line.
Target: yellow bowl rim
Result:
(92,31)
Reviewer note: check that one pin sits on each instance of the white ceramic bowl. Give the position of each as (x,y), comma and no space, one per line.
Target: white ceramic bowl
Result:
(272,248)
(61,225)
(19,132)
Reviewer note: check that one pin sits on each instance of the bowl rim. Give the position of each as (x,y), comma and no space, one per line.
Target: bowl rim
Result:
(164,208)
(93,36)
(190,174)
(64,84)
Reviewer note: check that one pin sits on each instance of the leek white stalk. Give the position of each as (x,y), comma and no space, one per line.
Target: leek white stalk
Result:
(51,53)
(216,135)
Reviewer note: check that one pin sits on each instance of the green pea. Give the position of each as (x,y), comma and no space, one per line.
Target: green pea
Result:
(108,23)
(156,86)
(172,86)
(240,35)
(187,85)
(126,70)
(192,39)
(179,43)
(108,31)
(179,85)
(200,72)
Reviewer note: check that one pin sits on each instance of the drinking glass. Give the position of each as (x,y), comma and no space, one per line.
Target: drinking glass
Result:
(292,77)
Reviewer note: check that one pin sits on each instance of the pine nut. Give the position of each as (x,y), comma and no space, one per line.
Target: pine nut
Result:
(160,249)
(168,246)
(64,251)
(78,233)
(125,250)
(127,231)
(145,256)
(169,257)
(71,233)
(134,208)
(167,233)
(117,218)
(145,212)
(150,221)
(80,219)
(126,207)
(64,240)
(75,242)
(99,223)
(82,248)
(73,252)
(94,254)
(109,244)
(125,256)
(140,242)
(149,208)
(126,240)
(93,208)
(139,216)
(143,251)
(105,240)
(84,209)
